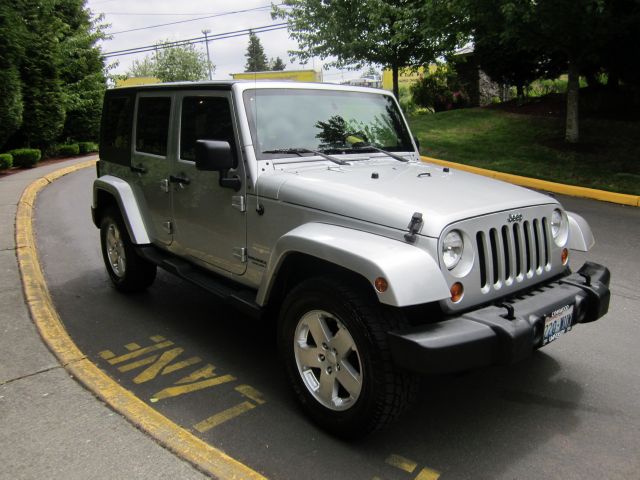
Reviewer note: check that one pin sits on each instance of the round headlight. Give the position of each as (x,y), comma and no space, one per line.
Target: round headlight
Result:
(452,247)
(559,227)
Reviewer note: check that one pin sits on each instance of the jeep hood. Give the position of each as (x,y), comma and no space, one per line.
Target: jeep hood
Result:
(398,191)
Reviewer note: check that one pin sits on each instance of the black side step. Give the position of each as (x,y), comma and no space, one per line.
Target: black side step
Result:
(238,296)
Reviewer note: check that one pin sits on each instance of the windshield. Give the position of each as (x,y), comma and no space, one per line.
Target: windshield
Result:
(321,120)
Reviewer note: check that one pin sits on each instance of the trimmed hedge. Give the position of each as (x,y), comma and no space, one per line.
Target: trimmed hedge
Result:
(69,149)
(26,157)
(88,147)
(6,161)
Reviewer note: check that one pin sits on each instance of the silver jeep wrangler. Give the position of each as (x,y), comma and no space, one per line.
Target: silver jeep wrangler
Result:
(309,203)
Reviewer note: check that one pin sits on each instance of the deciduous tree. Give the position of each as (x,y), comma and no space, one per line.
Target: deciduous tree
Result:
(390,33)
(183,62)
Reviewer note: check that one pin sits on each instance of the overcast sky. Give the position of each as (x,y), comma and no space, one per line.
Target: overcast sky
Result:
(226,54)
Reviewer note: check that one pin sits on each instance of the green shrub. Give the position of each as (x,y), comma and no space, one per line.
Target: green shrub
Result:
(25,157)
(68,150)
(6,161)
(88,147)
(440,90)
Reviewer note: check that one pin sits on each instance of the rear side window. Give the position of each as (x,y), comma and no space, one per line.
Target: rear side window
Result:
(152,125)
(115,141)
(204,118)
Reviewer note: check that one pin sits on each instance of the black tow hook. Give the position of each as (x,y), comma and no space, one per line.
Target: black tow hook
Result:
(510,310)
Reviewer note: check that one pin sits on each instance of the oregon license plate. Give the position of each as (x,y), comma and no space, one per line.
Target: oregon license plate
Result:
(558,322)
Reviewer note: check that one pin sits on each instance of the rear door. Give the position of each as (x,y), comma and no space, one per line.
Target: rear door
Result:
(210,223)
(152,158)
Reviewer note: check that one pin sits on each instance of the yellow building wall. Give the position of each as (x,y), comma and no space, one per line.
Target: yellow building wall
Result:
(406,76)
(294,75)
(132,82)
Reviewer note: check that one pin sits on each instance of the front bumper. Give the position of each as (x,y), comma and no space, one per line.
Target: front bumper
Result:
(501,334)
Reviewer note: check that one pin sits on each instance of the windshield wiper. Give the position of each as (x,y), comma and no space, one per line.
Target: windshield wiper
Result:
(366,145)
(300,151)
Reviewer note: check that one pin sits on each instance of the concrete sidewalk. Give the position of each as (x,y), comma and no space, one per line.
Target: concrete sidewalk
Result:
(50,426)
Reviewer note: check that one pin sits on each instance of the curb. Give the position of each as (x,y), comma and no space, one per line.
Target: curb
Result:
(570,190)
(183,443)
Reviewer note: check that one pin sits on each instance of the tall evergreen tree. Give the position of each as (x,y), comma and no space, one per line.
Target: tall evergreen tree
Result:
(51,72)
(256,58)
(11,37)
(81,70)
(44,105)
(276,64)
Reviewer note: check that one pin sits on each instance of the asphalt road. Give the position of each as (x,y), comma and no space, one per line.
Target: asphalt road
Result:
(571,411)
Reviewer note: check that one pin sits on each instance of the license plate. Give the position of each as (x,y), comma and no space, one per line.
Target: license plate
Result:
(557,323)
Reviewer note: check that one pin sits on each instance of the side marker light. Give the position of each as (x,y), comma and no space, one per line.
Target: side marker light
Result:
(457,291)
(381,284)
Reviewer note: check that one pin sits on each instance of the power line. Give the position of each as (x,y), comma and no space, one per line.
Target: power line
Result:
(195,40)
(221,14)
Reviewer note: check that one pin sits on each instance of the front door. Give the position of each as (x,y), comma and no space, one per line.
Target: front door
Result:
(209,221)
(152,161)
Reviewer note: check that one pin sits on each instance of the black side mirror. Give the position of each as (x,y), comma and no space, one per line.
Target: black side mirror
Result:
(214,156)
(415,139)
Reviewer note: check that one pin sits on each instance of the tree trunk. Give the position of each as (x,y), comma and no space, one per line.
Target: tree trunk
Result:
(520,94)
(613,81)
(396,85)
(572,132)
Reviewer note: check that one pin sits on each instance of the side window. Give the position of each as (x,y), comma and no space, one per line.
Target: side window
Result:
(152,125)
(204,118)
(115,141)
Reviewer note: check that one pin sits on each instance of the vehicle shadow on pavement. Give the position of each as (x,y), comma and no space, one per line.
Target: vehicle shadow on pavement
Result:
(471,425)
(475,425)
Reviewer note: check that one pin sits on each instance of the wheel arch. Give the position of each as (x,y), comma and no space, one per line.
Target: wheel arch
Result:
(412,274)
(110,191)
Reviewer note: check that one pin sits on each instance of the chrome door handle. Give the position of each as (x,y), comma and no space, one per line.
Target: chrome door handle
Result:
(179,180)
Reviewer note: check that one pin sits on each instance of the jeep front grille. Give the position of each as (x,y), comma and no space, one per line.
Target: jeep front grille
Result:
(513,253)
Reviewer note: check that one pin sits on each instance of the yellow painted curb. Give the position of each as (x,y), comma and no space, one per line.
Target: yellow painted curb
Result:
(203,456)
(571,190)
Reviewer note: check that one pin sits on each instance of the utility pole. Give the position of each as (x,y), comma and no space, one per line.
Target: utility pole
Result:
(206,42)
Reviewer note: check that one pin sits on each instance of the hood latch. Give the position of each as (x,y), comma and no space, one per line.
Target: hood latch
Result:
(414,227)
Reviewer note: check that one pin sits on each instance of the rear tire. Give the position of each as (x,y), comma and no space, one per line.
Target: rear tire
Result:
(333,342)
(128,271)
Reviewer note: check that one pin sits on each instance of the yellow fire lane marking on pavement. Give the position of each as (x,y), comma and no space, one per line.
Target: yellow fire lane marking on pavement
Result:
(409,466)
(191,387)
(139,353)
(224,416)
(152,372)
(205,372)
(132,346)
(158,338)
(180,365)
(428,474)
(251,393)
(106,354)
(401,462)
(205,457)
(127,367)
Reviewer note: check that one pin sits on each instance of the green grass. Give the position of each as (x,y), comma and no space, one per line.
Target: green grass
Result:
(607,158)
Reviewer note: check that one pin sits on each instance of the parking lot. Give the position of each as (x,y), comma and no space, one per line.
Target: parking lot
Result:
(570,411)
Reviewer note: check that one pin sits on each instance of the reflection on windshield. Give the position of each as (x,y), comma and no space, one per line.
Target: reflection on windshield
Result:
(321,120)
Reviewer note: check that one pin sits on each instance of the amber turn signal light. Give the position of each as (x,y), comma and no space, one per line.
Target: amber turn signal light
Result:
(565,256)
(457,291)
(381,284)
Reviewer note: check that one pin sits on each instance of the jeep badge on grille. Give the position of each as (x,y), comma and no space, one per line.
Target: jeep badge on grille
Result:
(514,217)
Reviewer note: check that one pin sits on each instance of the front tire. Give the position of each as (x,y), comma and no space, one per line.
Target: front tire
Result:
(333,342)
(128,271)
